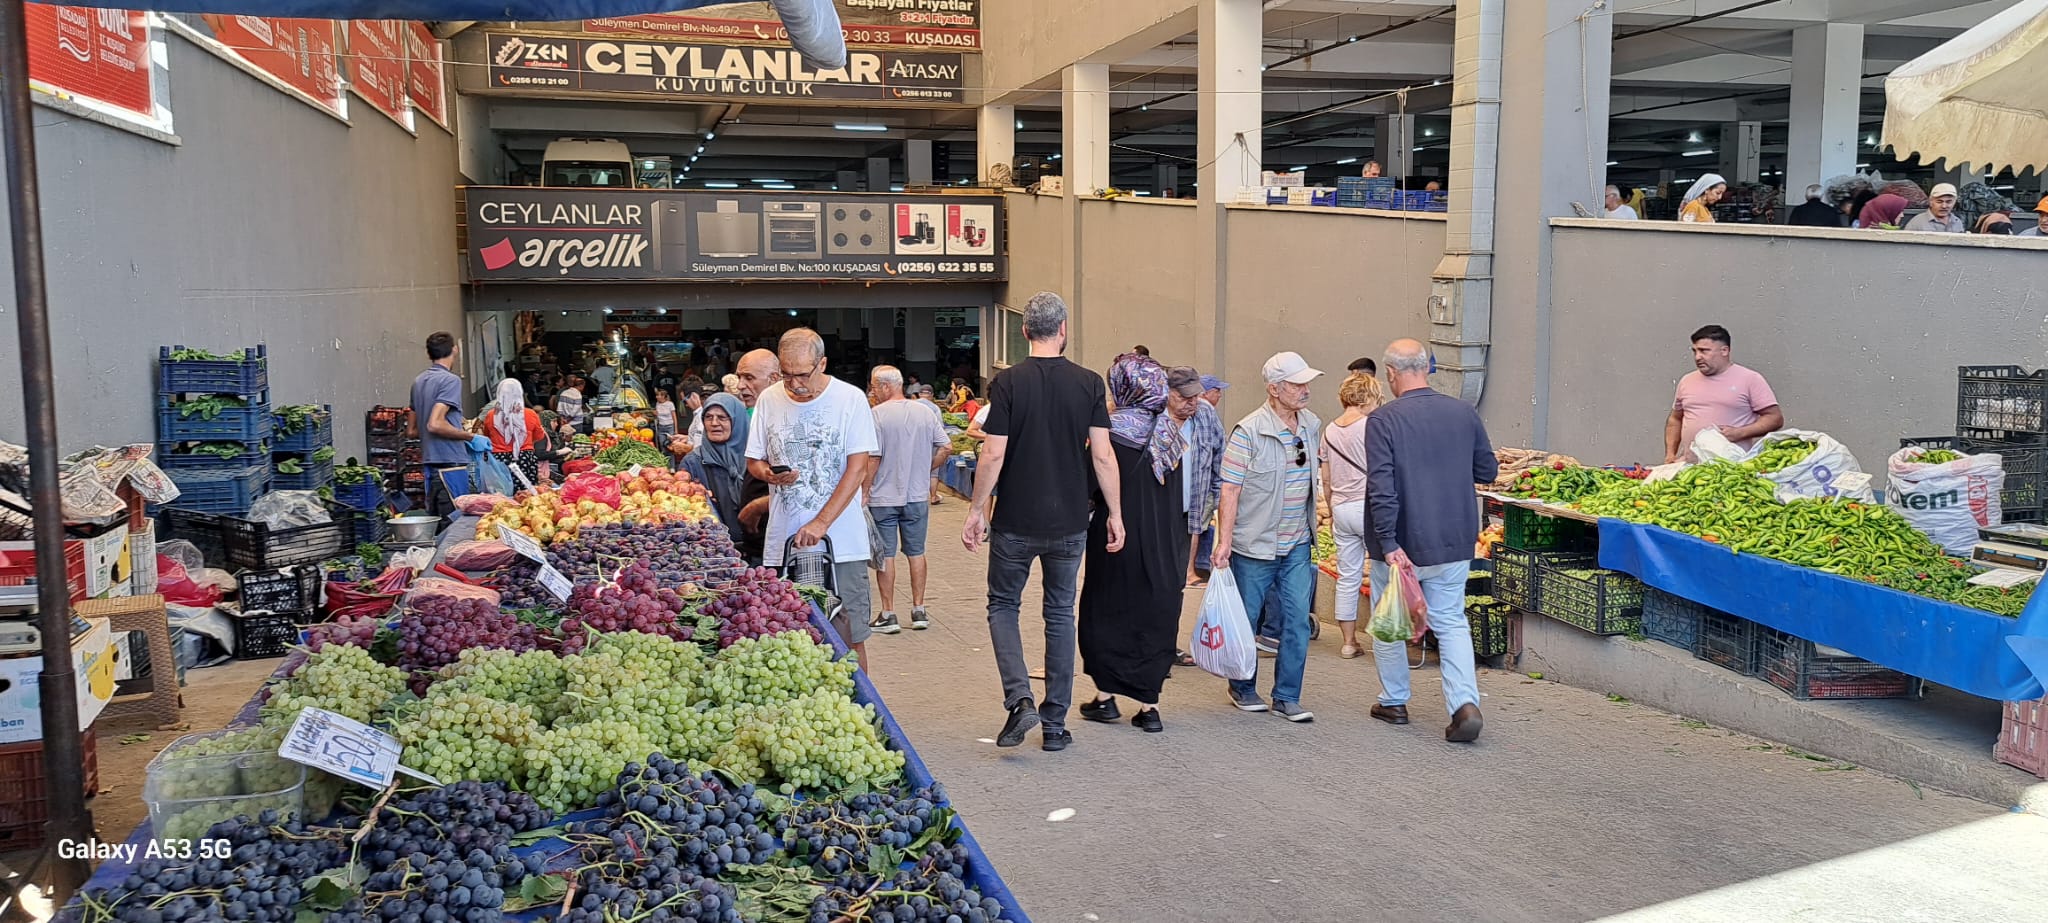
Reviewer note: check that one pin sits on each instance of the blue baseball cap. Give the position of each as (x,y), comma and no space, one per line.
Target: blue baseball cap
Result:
(1212,383)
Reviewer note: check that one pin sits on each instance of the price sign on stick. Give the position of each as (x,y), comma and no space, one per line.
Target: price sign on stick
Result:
(345,747)
(522,543)
(555,583)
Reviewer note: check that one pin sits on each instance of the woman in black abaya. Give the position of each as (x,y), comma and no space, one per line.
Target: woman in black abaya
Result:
(1131,599)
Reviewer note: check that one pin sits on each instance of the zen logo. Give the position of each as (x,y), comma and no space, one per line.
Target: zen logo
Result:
(519,52)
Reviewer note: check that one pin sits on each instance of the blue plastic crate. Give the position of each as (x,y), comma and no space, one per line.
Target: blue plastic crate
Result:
(1417,200)
(169,459)
(365,496)
(229,491)
(237,424)
(247,375)
(314,477)
(317,436)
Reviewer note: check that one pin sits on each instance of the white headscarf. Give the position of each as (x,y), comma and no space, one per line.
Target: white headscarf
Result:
(1701,185)
(511,407)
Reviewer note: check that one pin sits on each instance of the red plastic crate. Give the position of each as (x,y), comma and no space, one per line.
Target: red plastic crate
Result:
(24,802)
(18,568)
(2023,738)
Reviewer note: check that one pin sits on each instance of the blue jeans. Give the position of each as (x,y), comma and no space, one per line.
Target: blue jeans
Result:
(1443,587)
(1009,568)
(1289,576)
(906,523)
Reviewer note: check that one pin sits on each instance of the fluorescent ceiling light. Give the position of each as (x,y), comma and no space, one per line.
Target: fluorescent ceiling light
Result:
(1020,124)
(1054,157)
(895,188)
(647,164)
(661,310)
(1347,160)
(779,186)
(1429,132)
(1296,169)
(765,182)
(1141,192)
(1862,166)
(721,185)
(693,158)
(1695,136)
(857,126)
(1702,152)
(1614,163)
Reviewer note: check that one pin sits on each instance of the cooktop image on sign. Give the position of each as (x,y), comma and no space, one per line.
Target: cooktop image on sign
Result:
(728,232)
(857,227)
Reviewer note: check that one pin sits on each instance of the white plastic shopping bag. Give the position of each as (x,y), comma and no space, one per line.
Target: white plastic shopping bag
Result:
(1947,500)
(1830,472)
(1222,642)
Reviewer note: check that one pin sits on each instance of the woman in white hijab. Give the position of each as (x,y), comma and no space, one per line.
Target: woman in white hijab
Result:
(1701,199)
(514,430)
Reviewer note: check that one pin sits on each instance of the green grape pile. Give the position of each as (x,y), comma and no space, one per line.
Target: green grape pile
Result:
(456,735)
(820,740)
(777,668)
(568,766)
(340,678)
(537,679)
(203,779)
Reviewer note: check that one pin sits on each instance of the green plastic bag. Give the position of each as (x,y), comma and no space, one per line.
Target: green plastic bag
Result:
(1390,621)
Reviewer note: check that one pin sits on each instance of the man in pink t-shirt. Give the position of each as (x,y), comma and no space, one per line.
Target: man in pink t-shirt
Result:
(1721,394)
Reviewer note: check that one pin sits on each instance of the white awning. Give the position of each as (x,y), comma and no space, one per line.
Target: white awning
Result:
(1980,98)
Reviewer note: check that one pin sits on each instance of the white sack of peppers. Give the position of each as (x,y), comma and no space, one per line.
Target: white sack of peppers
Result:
(1828,472)
(1949,498)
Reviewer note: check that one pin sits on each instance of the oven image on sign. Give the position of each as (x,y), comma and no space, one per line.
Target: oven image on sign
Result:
(855,227)
(792,229)
(727,232)
(671,235)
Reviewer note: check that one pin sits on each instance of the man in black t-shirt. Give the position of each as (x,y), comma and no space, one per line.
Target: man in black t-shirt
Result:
(1048,424)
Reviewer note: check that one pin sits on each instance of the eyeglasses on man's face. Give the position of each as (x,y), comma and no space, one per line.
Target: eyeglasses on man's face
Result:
(801,381)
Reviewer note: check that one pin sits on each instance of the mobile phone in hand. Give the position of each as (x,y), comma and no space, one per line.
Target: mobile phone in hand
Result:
(779,469)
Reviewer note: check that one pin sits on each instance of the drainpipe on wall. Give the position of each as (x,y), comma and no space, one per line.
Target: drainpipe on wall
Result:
(1461,288)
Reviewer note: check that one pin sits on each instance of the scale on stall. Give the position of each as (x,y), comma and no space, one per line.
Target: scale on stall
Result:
(2012,554)
(18,636)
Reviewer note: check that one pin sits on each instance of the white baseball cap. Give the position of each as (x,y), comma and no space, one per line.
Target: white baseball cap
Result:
(1289,367)
(1942,189)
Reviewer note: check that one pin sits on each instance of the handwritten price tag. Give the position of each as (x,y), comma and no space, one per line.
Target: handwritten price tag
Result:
(345,747)
(554,582)
(522,543)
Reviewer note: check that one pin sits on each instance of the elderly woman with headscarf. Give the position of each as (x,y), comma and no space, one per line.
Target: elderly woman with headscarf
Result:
(1706,192)
(719,463)
(1882,213)
(515,431)
(1131,601)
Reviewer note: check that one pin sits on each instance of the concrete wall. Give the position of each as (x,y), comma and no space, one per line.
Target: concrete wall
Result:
(1859,333)
(272,223)
(1030,42)
(1139,288)
(1038,248)
(1329,285)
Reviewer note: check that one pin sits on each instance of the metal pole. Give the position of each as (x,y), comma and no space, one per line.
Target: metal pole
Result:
(63,756)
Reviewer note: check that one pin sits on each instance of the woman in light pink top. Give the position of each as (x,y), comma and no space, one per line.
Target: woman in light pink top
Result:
(1343,458)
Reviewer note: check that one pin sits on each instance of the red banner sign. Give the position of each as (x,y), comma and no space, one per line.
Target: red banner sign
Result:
(376,65)
(300,52)
(424,81)
(102,55)
(937,25)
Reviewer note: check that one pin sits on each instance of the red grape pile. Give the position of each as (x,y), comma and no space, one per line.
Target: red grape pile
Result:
(356,630)
(637,601)
(434,632)
(758,604)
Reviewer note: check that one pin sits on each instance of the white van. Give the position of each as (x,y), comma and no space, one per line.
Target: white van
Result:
(587,162)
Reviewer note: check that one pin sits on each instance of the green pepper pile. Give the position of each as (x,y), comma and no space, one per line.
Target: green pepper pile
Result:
(1939,457)
(630,452)
(1728,504)
(1780,456)
(1564,483)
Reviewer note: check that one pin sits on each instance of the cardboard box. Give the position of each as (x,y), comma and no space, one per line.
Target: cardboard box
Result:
(1270,178)
(93,657)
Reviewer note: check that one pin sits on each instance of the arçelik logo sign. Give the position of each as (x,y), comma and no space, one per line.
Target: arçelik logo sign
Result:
(612,251)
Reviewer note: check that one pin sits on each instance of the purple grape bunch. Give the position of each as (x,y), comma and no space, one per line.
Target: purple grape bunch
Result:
(760,603)
(636,601)
(434,632)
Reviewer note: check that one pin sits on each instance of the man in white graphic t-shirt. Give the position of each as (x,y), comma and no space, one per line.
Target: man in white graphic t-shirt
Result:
(810,441)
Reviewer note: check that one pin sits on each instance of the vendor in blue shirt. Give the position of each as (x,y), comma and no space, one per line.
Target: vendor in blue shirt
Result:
(437,415)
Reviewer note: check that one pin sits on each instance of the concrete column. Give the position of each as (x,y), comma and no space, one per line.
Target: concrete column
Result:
(1394,145)
(1741,151)
(1084,127)
(881,332)
(1228,145)
(847,180)
(878,174)
(917,163)
(920,335)
(995,143)
(1165,178)
(1827,94)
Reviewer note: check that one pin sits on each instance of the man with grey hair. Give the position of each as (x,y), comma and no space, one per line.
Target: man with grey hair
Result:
(810,441)
(913,444)
(1617,207)
(1048,426)
(1424,451)
(1816,212)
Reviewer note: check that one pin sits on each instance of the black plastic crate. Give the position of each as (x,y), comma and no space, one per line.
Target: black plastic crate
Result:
(1673,620)
(248,374)
(289,591)
(1604,602)
(1492,623)
(200,528)
(1531,531)
(1514,574)
(2025,462)
(1727,640)
(1806,670)
(258,546)
(1930,443)
(260,637)
(2000,401)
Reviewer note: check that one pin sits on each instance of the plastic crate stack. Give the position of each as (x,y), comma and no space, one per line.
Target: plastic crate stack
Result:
(394,451)
(273,603)
(2000,409)
(1368,192)
(303,440)
(214,428)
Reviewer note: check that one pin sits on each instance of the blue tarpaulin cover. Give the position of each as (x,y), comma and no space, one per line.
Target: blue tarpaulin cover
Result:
(813,24)
(1941,642)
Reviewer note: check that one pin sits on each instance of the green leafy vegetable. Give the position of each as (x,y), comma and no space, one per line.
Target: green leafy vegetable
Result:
(357,474)
(323,455)
(290,466)
(297,417)
(209,406)
(200,355)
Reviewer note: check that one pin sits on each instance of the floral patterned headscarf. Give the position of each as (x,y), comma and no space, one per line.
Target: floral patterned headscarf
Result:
(1137,386)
